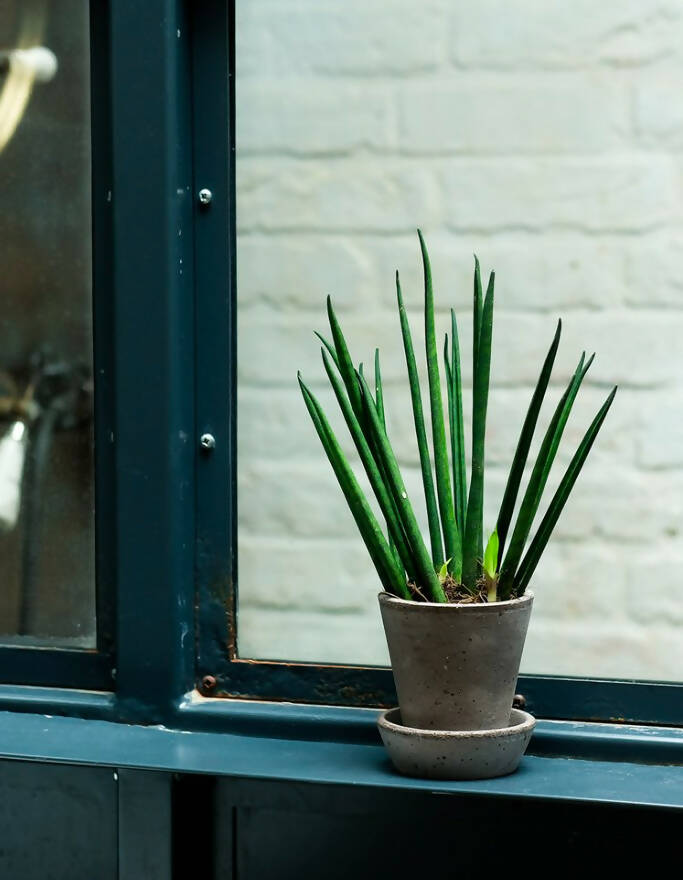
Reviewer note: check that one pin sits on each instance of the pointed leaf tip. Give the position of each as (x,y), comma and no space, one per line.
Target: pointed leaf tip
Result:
(491,555)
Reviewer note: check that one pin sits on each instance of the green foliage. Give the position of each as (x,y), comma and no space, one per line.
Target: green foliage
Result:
(456,560)
(457,425)
(420,432)
(491,556)
(490,566)
(443,572)
(451,536)
(474,521)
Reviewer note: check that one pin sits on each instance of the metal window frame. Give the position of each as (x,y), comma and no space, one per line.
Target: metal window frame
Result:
(165,339)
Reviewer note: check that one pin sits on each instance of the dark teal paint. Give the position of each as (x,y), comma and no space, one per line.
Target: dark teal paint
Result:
(215,304)
(328,762)
(287,832)
(165,334)
(103,338)
(155,442)
(57,822)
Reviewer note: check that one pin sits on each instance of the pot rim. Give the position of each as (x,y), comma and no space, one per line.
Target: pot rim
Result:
(524,723)
(410,604)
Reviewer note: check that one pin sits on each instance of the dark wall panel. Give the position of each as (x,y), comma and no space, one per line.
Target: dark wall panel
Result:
(57,822)
(293,832)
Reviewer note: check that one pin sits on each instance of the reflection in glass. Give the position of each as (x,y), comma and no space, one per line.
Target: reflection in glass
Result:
(547,142)
(46,447)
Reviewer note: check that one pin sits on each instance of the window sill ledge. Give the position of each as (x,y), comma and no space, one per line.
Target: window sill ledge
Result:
(253,752)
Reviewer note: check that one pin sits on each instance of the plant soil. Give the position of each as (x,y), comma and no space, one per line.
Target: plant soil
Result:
(455,592)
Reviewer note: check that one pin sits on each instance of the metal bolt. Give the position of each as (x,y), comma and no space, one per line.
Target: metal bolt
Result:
(205,196)
(207,442)
(208,683)
(518,701)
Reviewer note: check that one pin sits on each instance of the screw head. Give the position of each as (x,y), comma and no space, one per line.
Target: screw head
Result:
(208,683)
(518,701)
(207,441)
(205,196)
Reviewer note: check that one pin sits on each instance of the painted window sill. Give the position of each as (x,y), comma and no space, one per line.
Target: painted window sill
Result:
(297,744)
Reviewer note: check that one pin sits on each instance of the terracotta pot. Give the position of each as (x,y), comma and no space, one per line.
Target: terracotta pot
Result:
(455,666)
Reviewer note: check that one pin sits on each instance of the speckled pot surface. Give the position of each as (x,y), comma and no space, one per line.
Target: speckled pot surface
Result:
(455,666)
(445,754)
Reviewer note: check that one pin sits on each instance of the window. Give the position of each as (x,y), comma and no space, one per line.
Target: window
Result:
(47,520)
(171,283)
(524,146)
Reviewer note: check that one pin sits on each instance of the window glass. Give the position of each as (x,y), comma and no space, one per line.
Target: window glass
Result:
(547,139)
(46,382)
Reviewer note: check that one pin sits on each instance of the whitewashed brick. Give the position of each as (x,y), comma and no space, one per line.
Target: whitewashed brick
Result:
(549,273)
(533,34)
(653,272)
(322,117)
(600,648)
(623,193)
(327,575)
(274,425)
(660,430)
(336,195)
(631,348)
(616,443)
(580,582)
(657,110)
(297,499)
(273,346)
(295,274)
(622,504)
(653,586)
(498,115)
(352,38)
(313,636)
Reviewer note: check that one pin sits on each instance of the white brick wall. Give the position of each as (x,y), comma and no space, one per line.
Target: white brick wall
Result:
(544,137)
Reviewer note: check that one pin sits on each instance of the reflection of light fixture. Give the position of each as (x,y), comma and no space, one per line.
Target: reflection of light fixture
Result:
(12,455)
(40,61)
(23,66)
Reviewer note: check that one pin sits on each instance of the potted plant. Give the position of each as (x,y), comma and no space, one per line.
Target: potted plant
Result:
(455,611)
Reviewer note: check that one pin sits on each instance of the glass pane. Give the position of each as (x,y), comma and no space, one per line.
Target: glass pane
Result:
(46,401)
(547,139)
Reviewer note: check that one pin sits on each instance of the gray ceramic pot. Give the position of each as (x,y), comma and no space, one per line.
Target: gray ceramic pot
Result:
(456,754)
(455,666)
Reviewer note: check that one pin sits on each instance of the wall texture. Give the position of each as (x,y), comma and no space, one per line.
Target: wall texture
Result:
(545,138)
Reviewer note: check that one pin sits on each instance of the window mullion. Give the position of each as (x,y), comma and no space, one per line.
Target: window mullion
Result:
(154,435)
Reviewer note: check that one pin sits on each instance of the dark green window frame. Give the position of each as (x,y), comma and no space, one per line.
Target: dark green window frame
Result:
(165,342)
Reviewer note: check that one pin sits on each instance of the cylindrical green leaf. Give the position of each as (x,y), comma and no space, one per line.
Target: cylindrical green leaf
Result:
(421,434)
(344,361)
(451,535)
(473,545)
(457,431)
(382,492)
(538,479)
(521,453)
(552,515)
(390,574)
(425,572)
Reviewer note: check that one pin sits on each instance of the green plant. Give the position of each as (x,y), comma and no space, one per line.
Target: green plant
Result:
(456,567)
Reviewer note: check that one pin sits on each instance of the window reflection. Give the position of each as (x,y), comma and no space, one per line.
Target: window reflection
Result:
(46,400)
